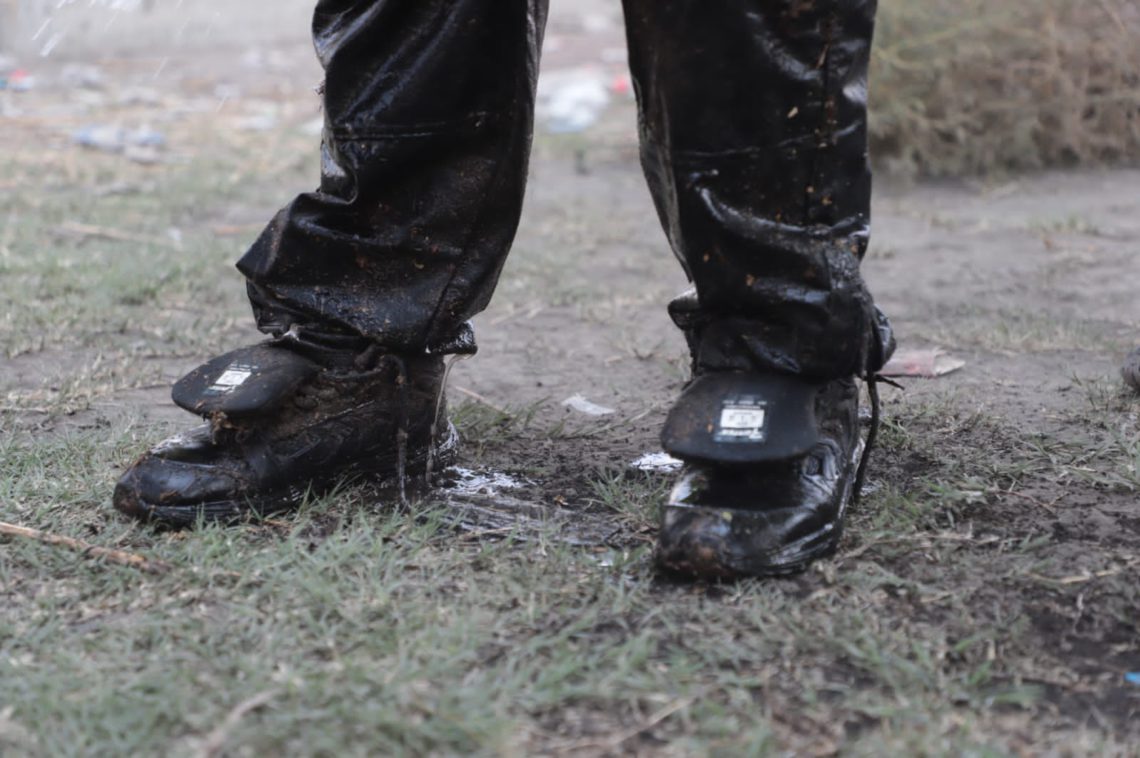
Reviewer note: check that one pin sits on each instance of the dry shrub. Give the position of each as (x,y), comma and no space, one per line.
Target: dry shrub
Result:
(976,86)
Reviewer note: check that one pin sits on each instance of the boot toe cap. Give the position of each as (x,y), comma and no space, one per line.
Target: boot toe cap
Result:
(173,485)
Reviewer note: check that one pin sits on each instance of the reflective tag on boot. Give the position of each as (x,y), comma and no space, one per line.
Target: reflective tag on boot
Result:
(232,377)
(248,381)
(742,417)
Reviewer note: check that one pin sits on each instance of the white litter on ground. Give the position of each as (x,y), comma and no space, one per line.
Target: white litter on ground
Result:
(582,405)
(657,463)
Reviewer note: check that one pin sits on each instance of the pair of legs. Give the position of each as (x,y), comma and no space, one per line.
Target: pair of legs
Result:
(752,118)
(753,135)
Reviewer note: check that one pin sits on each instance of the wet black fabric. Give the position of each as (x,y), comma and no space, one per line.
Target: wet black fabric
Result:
(753,133)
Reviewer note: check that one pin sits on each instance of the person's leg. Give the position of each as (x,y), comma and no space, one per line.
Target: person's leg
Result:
(367,282)
(753,131)
(428,116)
(753,125)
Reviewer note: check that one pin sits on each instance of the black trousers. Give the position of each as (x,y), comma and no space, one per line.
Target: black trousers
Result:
(753,141)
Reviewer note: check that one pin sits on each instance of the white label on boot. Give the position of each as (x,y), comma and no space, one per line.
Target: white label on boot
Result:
(231,378)
(742,420)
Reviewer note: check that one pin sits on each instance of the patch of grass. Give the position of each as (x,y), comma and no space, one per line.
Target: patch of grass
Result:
(481,425)
(356,627)
(112,268)
(1073,223)
(975,87)
(1018,331)
(634,499)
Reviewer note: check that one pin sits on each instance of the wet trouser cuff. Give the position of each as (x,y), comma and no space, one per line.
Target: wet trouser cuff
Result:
(327,342)
(821,348)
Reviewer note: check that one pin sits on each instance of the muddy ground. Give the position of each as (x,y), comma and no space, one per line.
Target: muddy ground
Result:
(993,568)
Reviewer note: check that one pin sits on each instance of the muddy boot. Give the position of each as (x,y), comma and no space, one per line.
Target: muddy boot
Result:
(770,469)
(283,422)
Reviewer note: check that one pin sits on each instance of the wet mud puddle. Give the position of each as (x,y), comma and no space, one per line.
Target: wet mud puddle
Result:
(490,503)
(486,502)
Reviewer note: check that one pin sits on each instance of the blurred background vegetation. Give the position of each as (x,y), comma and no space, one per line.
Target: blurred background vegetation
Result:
(974,86)
(958,87)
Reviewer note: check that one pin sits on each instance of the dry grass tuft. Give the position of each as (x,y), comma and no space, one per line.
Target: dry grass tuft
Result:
(970,86)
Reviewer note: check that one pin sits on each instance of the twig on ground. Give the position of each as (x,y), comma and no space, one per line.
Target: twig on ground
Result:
(118,235)
(94,551)
(615,742)
(920,542)
(1084,578)
(478,534)
(216,740)
(1028,498)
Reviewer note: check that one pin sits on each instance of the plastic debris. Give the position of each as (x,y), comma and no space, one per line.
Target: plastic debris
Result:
(146,137)
(657,463)
(115,139)
(926,364)
(1132,677)
(571,100)
(109,139)
(18,80)
(139,96)
(582,405)
(81,76)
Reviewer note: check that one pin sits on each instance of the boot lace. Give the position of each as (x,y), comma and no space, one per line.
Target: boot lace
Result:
(872,381)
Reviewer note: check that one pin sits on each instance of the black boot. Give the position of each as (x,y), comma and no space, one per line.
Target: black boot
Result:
(771,464)
(282,425)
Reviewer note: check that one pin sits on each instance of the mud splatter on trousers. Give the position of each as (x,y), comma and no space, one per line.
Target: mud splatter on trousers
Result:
(753,134)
